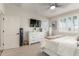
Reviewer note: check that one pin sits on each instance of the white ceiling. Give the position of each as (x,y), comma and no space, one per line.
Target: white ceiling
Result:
(43,8)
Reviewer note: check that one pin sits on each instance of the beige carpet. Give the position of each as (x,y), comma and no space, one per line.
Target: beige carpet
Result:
(33,50)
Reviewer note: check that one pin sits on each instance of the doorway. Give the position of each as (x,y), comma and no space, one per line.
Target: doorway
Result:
(1,31)
(11,30)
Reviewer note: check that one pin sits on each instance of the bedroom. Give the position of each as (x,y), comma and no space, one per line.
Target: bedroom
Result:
(28,29)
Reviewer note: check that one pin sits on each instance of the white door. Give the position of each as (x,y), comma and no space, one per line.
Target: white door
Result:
(1,30)
(11,30)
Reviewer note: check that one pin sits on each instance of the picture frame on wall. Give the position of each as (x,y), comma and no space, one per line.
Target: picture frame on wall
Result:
(64,20)
(74,17)
(69,18)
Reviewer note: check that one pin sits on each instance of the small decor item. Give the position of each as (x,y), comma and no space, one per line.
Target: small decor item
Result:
(69,29)
(50,31)
(40,29)
(34,29)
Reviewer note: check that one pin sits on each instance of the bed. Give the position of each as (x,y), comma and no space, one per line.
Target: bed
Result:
(61,46)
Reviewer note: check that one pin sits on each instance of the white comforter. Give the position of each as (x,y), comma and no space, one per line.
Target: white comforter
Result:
(64,46)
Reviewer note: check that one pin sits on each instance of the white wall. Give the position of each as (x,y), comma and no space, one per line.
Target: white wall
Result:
(24,15)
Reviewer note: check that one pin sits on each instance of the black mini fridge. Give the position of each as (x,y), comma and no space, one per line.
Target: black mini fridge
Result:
(21,37)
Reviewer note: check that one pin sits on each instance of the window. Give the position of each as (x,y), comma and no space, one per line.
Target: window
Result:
(69,24)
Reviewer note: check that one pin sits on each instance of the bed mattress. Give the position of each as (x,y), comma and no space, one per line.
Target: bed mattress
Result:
(64,46)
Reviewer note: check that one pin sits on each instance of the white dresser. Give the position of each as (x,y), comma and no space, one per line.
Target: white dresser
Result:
(35,37)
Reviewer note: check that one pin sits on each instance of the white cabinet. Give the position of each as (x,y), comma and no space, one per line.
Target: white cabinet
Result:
(35,37)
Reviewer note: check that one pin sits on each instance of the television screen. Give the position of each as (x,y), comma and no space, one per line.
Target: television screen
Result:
(38,23)
(35,23)
(32,22)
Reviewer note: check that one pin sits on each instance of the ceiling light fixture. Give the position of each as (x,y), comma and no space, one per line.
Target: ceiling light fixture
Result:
(52,7)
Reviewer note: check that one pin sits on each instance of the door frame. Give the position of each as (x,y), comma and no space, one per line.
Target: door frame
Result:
(2,30)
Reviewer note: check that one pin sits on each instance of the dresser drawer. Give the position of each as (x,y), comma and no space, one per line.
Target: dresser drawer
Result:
(35,37)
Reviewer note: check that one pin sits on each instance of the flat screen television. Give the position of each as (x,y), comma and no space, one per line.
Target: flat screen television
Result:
(35,23)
